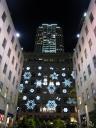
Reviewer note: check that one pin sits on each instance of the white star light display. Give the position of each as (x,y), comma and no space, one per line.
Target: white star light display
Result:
(73,74)
(51,68)
(45,81)
(71,101)
(26,82)
(37,97)
(65,109)
(54,76)
(31,90)
(63,74)
(28,68)
(51,104)
(51,88)
(27,75)
(64,91)
(40,67)
(63,69)
(67,83)
(30,104)
(24,97)
(39,74)
(57,83)
(38,83)
(20,88)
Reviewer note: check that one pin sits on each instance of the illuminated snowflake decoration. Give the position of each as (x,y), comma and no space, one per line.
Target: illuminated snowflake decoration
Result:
(71,101)
(37,97)
(20,88)
(51,104)
(67,83)
(63,74)
(27,75)
(54,76)
(63,69)
(31,90)
(38,83)
(51,88)
(28,68)
(57,83)
(51,68)
(30,104)
(65,109)
(39,74)
(40,67)
(24,97)
(64,91)
(73,74)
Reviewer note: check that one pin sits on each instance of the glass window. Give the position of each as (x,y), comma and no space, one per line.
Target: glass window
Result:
(13,59)
(9,52)
(89,69)
(90,43)
(9,29)
(86,30)
(4,16)
(12,40)
(5,68)
(4,43)
(84,74)
(0,58)
(82,39)
(85,52)
(91,17)
(94,60)
(13,80)
(95,31)
(10,74)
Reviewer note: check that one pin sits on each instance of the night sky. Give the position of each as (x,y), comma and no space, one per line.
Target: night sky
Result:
(27,15)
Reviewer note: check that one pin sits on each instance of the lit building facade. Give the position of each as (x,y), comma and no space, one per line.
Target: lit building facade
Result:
(47,78)
(84,63)
(49,39)
(11,63)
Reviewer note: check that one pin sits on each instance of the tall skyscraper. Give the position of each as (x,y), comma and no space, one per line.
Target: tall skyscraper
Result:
(11,63)
(85,67)
(49,39)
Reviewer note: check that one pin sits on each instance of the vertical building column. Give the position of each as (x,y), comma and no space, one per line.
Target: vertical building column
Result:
(6,113)
(79,119)
(87,115)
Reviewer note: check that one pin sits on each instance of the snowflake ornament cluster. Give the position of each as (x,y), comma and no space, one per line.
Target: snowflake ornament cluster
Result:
(51,104)
(20,88)
(54,76)
(30,104)
(51,88)
(27,75)
(67,83)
